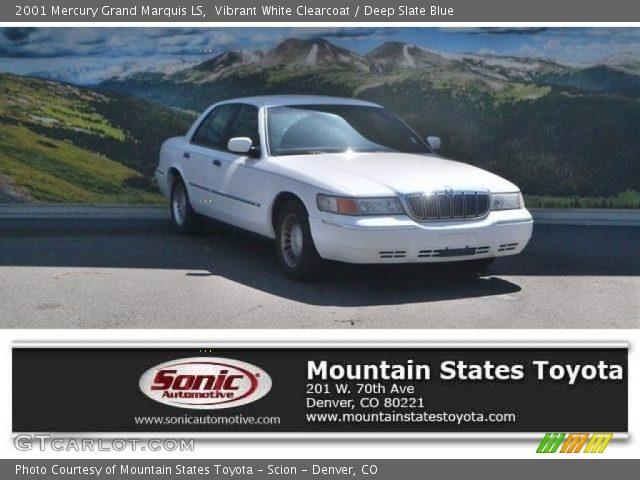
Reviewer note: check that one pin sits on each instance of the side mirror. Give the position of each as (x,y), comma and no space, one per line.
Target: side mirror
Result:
(435,143)
(239,144)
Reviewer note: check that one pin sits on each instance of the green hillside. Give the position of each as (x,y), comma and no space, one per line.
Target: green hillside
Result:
(63,143)
(238,83)
(549,142)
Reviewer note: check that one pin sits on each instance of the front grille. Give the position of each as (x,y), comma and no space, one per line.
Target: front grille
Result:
(450,205)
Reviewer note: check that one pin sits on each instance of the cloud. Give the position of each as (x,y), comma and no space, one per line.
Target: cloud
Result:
(585,50)
(111,42)
(90,70)
(356,33)
(487,51)
(495,30)
(143,42)
(17,35)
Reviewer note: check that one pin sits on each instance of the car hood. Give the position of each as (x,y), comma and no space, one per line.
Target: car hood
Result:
(388,173)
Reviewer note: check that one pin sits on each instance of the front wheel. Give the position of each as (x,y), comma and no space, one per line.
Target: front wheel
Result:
(295,249)
(185,219)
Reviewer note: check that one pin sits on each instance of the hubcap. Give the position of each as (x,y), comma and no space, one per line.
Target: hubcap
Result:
(179,204)
(291,241)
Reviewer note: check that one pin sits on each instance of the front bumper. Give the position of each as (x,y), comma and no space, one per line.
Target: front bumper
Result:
(399,239)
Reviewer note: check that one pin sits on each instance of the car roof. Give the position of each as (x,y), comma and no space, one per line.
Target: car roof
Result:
(284,100)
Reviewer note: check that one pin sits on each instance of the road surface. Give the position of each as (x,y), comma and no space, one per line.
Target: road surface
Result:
(137,273)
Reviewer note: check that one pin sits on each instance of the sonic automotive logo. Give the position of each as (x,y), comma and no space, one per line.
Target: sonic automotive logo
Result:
(205,383)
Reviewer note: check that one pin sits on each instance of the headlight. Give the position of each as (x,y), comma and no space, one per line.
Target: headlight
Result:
(360,206)
(506,201)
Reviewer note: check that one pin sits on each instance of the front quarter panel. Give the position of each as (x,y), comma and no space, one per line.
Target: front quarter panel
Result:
(263,188)
(169,160)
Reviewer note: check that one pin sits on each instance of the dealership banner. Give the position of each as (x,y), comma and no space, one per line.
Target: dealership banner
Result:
(322,389)
(245,11)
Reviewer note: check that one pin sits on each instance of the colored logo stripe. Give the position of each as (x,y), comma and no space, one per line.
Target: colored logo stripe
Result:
(550,443)
(598,442)
(574,442)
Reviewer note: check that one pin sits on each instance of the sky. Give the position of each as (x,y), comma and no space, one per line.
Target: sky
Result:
(90,55)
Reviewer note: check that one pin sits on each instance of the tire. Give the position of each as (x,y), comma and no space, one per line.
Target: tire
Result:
(185,219)
(295,249)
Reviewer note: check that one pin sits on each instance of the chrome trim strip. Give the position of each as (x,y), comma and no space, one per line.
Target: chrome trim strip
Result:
(199,186)
(232,197)
(513,222)
(362,227)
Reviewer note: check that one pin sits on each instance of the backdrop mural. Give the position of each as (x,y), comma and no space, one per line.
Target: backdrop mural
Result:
(557,110)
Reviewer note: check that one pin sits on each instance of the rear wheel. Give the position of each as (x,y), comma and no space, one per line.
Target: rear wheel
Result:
(185,219)
(295,249)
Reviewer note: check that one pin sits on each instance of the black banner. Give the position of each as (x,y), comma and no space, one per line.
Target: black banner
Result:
(314,390)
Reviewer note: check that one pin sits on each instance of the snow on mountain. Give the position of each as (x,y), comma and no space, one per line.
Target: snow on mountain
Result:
(318,53)
(295,54)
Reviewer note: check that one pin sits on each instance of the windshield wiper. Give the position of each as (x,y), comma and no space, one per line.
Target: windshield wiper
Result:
(307,152)
(346,150)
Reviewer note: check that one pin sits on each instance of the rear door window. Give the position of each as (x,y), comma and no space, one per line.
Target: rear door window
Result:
(212,132)
(245,124)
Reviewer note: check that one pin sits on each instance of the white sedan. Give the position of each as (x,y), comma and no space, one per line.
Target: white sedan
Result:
(337,179)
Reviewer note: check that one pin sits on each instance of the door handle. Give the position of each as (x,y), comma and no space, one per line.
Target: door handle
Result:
(217,163)
(186,154)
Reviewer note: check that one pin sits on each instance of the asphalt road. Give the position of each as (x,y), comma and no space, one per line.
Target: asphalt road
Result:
(139,274)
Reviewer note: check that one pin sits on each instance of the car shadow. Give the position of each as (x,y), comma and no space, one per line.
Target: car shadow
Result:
(249,260)
(345,285)
(233,255)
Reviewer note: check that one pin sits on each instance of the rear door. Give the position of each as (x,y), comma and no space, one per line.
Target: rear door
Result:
(205,162)
(242,184)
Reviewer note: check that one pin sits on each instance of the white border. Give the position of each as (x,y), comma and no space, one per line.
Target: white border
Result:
(301,25)
(401,448)
(319,344)
(320,436)
(239,448)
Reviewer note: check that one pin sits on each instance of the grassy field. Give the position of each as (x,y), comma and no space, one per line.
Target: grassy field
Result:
(54,104)
(63,143)
(57,171)
(624,200)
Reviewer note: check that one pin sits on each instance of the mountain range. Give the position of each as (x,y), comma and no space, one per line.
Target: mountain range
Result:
(614,74)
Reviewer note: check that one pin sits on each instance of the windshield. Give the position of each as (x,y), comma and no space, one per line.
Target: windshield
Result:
(309,129)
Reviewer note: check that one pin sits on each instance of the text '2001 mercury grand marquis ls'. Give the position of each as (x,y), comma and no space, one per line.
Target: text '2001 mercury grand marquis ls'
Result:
(337,179)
